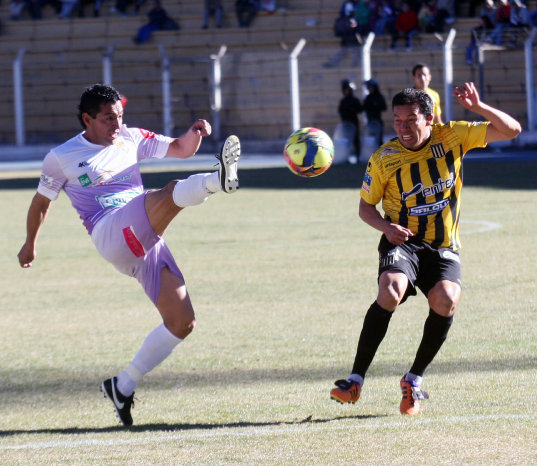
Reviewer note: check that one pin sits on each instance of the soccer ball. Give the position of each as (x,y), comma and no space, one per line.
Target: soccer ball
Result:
(309,152)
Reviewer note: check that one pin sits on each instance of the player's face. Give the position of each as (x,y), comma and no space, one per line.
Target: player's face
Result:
(412,127)
(104,128)
(422,78)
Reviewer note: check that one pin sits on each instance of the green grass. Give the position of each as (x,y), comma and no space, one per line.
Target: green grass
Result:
(280,275)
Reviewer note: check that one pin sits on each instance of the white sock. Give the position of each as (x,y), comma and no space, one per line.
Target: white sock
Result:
(356,379)
(195,189)
(156,347)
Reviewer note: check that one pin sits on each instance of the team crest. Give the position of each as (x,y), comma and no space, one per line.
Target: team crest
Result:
(438,150)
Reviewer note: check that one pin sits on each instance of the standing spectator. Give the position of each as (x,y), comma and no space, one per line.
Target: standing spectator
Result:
(406,26)
(158,21)
(246,11)
(421,75)
(213,7)
(489,9)
(349,108)
(374,105)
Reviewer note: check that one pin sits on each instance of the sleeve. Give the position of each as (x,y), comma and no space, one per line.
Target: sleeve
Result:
(472,134)
(52,178)
(149,144)
(373,184)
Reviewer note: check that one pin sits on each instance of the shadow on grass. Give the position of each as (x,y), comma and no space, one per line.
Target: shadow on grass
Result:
(182,427)
(517,174)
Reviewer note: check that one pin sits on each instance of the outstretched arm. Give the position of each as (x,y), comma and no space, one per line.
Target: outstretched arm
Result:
(188,143)
(37,213)
(502,126)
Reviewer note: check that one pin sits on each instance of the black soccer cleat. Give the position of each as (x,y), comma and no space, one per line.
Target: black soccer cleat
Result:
(122,404)
(228,158)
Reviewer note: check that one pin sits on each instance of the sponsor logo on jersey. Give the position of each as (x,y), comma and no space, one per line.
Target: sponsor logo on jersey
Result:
(428,209)
(438,150)
(116,199)
(147,134)
(368,179)
(440,186)
(388,151)
(82,164)
(46,179)
(84,180)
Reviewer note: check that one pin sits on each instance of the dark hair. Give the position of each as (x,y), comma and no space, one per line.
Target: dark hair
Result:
(93,98)
(417,67)
(411,96)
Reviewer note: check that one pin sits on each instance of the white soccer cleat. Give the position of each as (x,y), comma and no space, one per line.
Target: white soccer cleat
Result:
(229,158)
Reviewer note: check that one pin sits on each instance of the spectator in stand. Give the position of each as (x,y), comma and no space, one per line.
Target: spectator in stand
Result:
(385,17)
(374,105)
(503,17)
(121,6)
(16,7)
(520,16)
(213,8)
(432,17)
(478,33)
(362,14)
(489,9)
(158,21)
(346,28)
(406,26)
(246,11)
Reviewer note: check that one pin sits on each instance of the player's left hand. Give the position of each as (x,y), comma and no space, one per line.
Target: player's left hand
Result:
(467,96)
(201,128)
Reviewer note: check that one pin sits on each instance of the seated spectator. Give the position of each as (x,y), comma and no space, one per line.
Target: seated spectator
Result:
(158,21)
(362,16)
(385,17)
(213,8)
(484,28)
(121,6)
(503,17)
(489,9)
(346,28)
(406,26)
(68,7)
(16,7)
(520,16)
(246,11)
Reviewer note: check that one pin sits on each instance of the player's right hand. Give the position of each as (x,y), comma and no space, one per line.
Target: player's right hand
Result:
(26,256)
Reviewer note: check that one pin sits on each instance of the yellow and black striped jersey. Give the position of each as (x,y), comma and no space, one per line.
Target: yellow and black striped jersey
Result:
(421,189)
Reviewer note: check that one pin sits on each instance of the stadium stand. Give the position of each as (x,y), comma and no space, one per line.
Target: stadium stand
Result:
(63,56)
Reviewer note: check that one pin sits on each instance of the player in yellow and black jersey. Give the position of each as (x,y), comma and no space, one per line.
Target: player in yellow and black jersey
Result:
(418,179)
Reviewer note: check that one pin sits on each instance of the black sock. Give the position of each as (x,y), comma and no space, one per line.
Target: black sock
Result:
(435,333)
(373,331)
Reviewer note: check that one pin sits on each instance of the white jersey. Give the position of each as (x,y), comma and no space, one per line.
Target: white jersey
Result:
(99,179)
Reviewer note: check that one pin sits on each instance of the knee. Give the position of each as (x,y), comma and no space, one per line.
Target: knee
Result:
(444,299)
(390,296)
(182,328)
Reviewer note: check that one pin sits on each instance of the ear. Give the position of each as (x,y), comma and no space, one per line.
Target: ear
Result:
(86,118)
(429,119)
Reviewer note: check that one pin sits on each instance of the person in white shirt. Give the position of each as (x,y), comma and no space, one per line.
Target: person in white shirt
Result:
(98,170)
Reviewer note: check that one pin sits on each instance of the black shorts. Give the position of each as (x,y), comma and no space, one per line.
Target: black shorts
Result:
(423,265)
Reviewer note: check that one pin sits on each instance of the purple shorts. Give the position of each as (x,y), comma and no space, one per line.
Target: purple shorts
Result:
(126,239)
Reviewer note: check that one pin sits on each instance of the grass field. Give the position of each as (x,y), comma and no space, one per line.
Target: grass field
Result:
(280,275)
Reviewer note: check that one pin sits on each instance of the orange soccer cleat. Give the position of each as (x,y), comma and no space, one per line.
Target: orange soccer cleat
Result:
(346,391)
(412,395)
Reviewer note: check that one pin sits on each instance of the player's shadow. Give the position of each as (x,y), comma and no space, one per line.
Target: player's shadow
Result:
(184,427)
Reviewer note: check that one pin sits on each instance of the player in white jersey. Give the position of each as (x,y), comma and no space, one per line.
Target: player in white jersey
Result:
(98,169)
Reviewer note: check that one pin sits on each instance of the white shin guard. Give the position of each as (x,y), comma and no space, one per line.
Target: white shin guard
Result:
(192,191)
